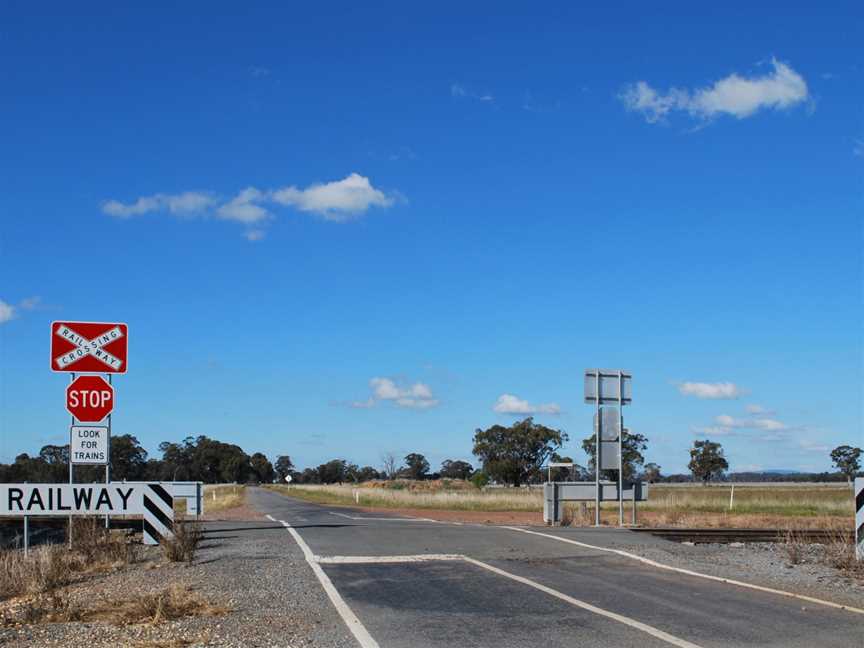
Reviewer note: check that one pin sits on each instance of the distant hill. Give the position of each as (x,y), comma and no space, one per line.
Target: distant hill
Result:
(781,471)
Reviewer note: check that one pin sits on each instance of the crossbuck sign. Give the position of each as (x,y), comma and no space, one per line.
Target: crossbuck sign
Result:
(96,347)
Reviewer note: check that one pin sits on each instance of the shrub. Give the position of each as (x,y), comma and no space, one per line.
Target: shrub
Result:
(479,479)
(184,545)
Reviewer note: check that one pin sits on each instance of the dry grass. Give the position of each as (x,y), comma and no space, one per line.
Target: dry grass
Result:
(221,498)
(44,570)
(174,602)
(50,567)
(184,545)
(666,506)
(454,499)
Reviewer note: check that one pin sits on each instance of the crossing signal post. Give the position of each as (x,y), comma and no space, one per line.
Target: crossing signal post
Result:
(607,387)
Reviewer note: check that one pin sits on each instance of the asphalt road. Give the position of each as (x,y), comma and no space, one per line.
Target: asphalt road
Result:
(409,583)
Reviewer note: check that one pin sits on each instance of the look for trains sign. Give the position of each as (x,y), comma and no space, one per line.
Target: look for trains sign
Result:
(97,347)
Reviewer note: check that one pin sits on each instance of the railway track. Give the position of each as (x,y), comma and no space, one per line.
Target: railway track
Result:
(703,536)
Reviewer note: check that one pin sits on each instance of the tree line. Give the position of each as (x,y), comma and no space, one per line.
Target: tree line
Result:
(512,455)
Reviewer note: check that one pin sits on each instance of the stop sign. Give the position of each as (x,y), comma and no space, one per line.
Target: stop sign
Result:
(89,398)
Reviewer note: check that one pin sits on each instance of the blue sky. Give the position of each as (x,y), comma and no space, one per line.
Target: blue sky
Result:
(357,230)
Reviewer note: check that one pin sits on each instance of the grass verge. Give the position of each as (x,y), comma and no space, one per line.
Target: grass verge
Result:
(221,498)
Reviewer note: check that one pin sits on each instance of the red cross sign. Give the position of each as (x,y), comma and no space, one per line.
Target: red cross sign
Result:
(97,347)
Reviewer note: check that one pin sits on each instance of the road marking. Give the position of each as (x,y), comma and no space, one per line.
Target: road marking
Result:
(361,634)
(374,560)
(620,618)
(379,519)
(689,572)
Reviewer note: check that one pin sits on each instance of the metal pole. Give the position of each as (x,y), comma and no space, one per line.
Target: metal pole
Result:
(71,380)
(597,452)
(108,458)
(634,503)
(26,535)
(620,449)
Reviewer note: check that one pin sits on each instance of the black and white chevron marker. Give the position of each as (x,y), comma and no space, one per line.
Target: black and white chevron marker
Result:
(859,518)
(158,514)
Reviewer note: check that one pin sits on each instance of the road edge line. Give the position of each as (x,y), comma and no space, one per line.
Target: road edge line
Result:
(361,634)
(620,618)
(681,570)
(382,560)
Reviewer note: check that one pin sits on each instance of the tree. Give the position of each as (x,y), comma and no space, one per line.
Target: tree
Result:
(262,468)
(389,467)
(651,472)
(128,458)
(632,447)
(514,454)
(367,473)
(707,460)
(456,469)
(847,460)
(416,466)
(284,466)
(333,471)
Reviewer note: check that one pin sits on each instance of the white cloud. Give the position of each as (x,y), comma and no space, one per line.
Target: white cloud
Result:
(187,203)
(719,390)
(758,409)
(254,234)
(337,200)
(243,208)
(510,404)
(713,430)
(767,424)
(7,312)
(459,90)
(416,396)
(813,446)
(733,95)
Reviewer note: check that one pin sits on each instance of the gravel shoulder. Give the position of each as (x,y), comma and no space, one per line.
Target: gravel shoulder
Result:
(253,568)
(765,564)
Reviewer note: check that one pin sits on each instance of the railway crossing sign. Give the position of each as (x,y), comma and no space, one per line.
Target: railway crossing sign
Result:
(95,347)
(88,444)
(89,398)
(149,499)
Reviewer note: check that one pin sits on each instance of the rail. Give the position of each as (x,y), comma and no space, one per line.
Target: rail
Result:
(720,535)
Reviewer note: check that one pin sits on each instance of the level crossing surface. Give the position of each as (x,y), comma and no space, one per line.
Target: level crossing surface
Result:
(412,583)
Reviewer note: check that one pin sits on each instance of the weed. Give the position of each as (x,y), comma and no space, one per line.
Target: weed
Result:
(184,545)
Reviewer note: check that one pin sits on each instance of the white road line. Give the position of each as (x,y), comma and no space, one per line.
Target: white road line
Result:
(380,519)
(620,618)
(689,572)
(375,560)
(361,634)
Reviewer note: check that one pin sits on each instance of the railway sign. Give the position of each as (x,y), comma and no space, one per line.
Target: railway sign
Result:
(95,347)
(151,500)
(89,398)
(88,444)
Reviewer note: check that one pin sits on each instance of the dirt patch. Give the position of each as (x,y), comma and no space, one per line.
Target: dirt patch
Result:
(243,513)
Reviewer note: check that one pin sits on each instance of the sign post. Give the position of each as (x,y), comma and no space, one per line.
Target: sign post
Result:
(89,347)
(859,518)
(606,387)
